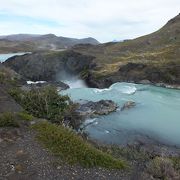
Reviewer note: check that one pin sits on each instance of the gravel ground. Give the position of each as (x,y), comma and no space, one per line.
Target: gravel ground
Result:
(23,158)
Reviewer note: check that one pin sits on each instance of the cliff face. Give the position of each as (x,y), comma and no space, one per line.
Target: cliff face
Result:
(45,66)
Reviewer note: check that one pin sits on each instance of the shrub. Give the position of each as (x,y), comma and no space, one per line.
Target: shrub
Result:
(17,94)
(66,144)
(176,162)
(47,103)
(8,120)
(161,168)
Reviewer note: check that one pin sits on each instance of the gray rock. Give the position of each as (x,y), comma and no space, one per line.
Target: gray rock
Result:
(128,105)
(145,81)
(46,65)
(92,109)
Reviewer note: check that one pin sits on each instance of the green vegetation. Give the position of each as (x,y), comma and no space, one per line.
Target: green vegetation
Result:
(47,103)
(176,162)
(8,120)
(66,144)
(25,116)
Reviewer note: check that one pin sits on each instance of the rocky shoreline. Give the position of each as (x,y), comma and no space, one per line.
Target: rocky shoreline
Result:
(107,82)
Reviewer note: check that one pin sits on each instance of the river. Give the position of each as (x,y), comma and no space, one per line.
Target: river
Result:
(156,114)
(4,57)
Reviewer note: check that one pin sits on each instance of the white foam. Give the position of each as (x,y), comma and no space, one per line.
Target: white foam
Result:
(100,90)
(75,83)
(35,82)
(128,90)
(123,89)
(107,132)
(90,121)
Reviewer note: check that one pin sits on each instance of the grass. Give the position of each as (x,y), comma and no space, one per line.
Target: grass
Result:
(72,148)
(25,116)
(8,120)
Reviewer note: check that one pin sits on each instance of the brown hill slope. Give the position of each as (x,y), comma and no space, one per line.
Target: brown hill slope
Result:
(155,57)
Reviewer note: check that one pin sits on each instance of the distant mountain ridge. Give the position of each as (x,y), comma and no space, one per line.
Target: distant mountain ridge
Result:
(34,42)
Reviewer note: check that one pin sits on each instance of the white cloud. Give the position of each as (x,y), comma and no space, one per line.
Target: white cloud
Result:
(103,19)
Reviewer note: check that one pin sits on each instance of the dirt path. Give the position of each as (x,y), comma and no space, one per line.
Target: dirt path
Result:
(23,158)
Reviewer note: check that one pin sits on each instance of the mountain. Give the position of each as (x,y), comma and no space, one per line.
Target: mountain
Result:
(34,42)
(154,57)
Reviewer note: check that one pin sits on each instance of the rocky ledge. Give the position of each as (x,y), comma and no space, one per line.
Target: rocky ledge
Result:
(138,73)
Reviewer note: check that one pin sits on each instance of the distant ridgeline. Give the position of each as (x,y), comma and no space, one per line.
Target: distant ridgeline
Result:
(28,42)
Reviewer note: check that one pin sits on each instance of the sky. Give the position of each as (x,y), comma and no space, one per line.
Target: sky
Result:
(105,20)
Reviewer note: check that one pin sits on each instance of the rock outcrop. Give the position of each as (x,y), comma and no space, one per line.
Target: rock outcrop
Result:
(92,109)
(46,66)
(128,105)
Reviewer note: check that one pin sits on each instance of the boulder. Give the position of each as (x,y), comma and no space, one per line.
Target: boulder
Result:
(145,81)
(128,105)
(92,109)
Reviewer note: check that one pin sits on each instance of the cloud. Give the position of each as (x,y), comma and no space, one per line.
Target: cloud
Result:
(103,19)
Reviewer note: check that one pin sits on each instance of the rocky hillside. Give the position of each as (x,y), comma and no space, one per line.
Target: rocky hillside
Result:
(28,42)
(48,65)
(154,57)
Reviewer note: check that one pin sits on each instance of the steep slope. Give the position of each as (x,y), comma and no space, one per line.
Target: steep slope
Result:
(28,42)
(155,57)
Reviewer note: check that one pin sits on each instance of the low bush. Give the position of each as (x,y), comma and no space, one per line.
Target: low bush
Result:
(47,103)
(162,168)
(72,148)
(176,162)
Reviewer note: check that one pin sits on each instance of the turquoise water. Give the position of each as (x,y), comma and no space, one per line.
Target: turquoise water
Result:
(156,115)
(4,57)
